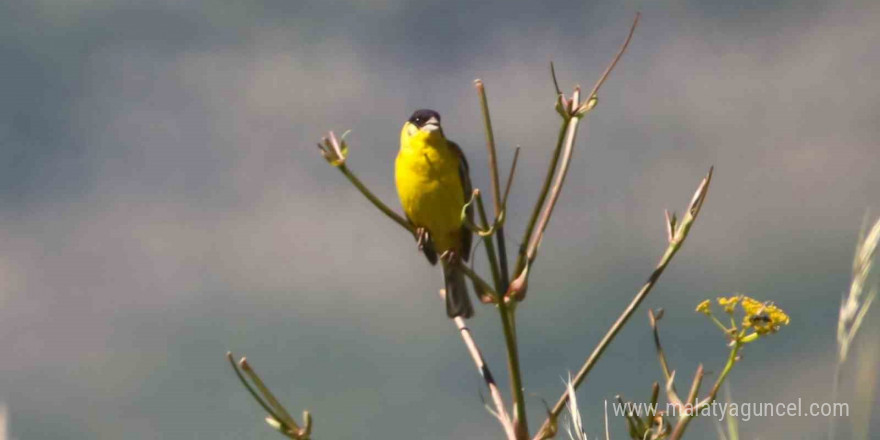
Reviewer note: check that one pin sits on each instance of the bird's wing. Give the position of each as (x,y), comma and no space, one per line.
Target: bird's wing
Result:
(465,176)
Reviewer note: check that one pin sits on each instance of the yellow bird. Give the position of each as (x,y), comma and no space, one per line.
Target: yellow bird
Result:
(433,183)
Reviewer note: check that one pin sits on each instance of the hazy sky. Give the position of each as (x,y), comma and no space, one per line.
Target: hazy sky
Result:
(162,202)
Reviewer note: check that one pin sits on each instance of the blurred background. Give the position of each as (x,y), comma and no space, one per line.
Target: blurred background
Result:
(162,201)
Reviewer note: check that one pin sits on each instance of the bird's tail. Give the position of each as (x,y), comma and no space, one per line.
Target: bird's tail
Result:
(458,303)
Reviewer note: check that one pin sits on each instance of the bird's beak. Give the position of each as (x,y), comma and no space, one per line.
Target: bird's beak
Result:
(431,125)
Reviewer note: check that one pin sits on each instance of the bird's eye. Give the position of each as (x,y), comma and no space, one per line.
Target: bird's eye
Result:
(418,120)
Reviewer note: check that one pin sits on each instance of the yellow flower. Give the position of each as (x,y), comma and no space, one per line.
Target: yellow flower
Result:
(729,303)
(751,305)
(763,317)
(703,307)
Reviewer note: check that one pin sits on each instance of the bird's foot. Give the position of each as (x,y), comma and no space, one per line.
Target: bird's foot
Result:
(422,238)
(449,257)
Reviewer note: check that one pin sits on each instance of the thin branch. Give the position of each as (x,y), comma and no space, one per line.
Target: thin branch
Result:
(502,280)
(278,417)
(668,376)
(500,409)
(542,196)
(496,187)
(480,283)
(487,240)
(335,152)
(510,178)
(620,52)
(270,411)
(483,231)
(570,135)
(653,318)
(695,387)
(671,250)
(508,325)
(270,398)
(731,360)
(378,203)
(555,82)
(571,117)
(685,419)
(490,145)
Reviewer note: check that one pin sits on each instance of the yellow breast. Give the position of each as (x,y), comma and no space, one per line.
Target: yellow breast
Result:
(429,186)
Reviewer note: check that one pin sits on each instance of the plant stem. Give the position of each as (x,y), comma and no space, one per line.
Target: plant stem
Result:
(490,246)
(502,279)
(542,196)
(661,356)
(729,366)
(674,245)
(480,283)
(720,325)
(378,203)
(683,422)
(615,328)
(516,388)
(496,188)
(568,150)
(253,392)
(477,356)
(285,417)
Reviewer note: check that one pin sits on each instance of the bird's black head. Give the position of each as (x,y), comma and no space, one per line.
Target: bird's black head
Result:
(421,117)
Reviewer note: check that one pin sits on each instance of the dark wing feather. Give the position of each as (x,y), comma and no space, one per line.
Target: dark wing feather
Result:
(465,176)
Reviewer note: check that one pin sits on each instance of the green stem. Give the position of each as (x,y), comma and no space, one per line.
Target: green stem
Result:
(480,283)
(720,325)
(673,247)
(729,366)
(253,392)
(502,261)
(683,422)
(508,323)
(490,247)
(501,275)
(496,188)
(556,189)
(536,211)
(280,411)
(378,203)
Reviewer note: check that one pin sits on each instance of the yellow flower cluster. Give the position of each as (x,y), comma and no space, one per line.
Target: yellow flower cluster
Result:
(729,303)
(703,307)
(763,317)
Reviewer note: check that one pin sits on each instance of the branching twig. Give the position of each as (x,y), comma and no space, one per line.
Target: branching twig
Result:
(653,318)
(510,179)
(570,135)
(616,58)
(674,245)
(496,186)
(572,110)
(521,261)
(278,417)
(502,280)
(487,240)
(378,203)
(685,418)
(335,151)
(668,375)
(477,356)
